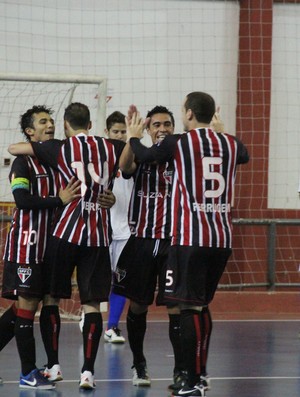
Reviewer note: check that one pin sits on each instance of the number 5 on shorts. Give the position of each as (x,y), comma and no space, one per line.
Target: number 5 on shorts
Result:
(169,278)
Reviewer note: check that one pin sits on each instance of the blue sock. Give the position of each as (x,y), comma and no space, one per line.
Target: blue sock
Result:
(116,306)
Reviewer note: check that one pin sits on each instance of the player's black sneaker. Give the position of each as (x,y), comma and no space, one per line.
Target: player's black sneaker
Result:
(179,381)
(196,391)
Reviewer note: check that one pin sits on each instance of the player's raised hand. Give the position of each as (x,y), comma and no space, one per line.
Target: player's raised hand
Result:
(131,110)
(135,126)
(216,123)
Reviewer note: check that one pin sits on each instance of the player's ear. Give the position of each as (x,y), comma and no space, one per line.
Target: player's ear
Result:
(90,125)
(147,126)
(189,114)
(29,131)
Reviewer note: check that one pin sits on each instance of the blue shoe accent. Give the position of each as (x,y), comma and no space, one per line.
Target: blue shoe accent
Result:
(35,380)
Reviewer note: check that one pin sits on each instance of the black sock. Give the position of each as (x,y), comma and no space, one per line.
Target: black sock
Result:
(91,333)
(25,340)
(136,329)
(191,337)
(175,339)
(50,329)
(206,322)
(7,326)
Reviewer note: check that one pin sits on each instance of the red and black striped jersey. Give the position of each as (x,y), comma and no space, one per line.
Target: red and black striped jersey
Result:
(32,185)
(149,209)
(94,161)
(204,175)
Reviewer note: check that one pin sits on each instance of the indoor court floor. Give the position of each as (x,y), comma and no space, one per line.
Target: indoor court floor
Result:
(248,358)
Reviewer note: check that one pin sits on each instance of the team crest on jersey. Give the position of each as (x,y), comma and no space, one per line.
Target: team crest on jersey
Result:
(24,273)
(168,175)
(120,274)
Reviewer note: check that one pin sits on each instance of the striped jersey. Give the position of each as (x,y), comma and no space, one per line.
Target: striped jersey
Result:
(149,209)
(202,193)
(30,227)
(93,160)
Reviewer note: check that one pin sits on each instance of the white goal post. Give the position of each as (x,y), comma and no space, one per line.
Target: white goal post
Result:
(21,91)
(75,80)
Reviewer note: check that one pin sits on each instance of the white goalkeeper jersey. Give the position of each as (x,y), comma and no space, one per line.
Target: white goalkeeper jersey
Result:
(119,212)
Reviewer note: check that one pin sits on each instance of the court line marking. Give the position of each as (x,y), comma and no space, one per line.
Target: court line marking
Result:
(169,379)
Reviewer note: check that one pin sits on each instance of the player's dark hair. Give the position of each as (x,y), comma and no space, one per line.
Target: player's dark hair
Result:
(161,109)
(26,119)
(78,116)
(115,117)
(202,105)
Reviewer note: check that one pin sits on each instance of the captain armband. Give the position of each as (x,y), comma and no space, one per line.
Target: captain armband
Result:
(20,183)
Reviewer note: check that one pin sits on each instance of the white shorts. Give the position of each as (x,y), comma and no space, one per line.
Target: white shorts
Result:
(115,249)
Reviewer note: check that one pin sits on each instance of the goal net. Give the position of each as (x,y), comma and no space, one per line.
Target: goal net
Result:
(19,92)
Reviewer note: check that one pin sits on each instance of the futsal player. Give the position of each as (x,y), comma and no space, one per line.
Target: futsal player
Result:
(116,129)
(82,232)
(37,193)
(141,265)
(204,174)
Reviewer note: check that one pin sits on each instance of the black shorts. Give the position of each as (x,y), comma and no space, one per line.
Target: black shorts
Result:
(140,268)
(93,270)
(23,280)
(193,274)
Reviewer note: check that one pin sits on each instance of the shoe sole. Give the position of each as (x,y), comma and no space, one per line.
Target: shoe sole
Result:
(37,387)
(86,387)
(143,384)
(58,379)
(114,341)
